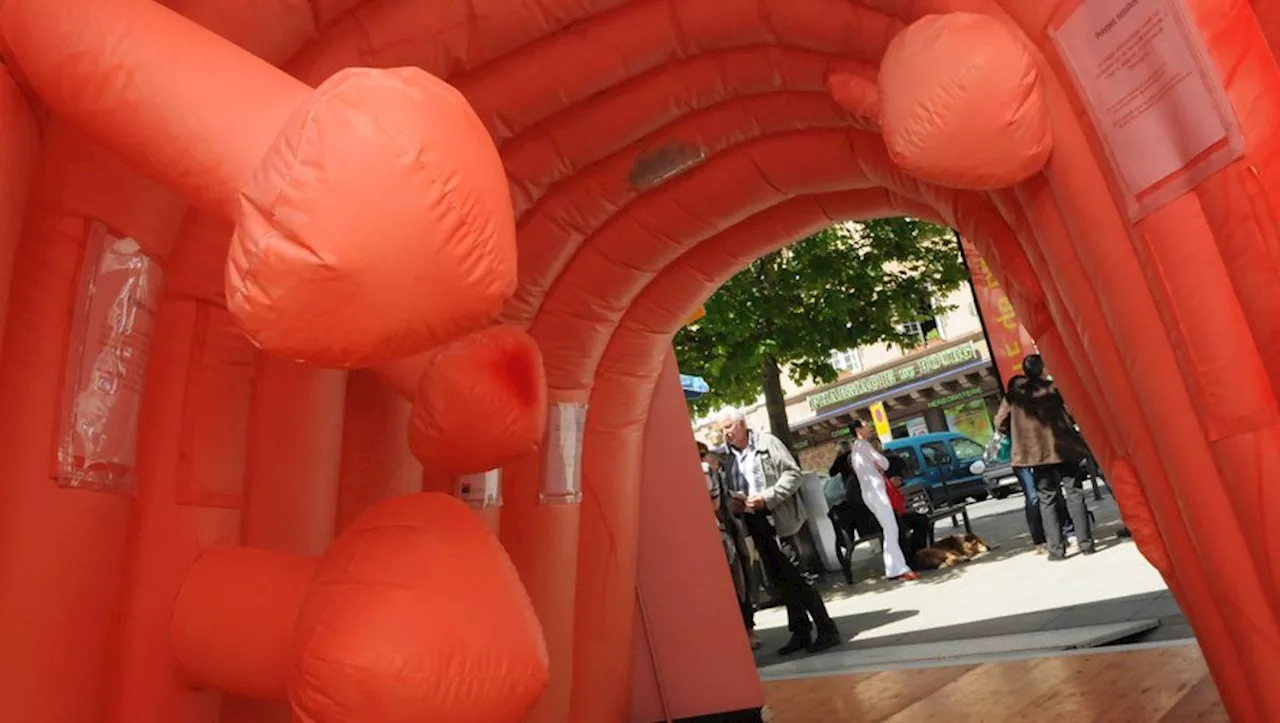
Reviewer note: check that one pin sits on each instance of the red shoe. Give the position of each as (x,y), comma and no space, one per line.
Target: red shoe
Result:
(908,577)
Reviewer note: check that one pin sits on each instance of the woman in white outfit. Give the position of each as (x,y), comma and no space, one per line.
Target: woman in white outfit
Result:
(869,466)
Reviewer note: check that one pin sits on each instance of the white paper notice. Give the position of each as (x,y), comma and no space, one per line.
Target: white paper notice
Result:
(1142,70)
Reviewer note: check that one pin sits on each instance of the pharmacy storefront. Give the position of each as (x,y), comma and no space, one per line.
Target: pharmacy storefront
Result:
(949,387)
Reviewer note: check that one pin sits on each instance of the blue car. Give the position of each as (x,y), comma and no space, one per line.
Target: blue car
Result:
(941,463)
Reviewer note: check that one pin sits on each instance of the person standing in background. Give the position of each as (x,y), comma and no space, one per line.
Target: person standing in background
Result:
(765,481)
(1046,440)
(733,539)
(870,466)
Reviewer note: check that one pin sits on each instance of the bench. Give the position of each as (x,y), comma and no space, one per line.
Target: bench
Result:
(918,500)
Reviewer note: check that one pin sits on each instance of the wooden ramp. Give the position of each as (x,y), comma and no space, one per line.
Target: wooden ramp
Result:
(1157,685)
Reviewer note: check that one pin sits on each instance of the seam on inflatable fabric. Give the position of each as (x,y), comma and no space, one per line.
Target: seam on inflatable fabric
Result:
(1195,386)
(366,48)
(1269,233)
(317,21)
(34,106)
(466,216)
(259,248)
(641,611)
(682,49)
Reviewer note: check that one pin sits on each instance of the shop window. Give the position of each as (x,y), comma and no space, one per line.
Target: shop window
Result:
(966,449)
(915,427)
(936,454)
(926,328)
(846,361)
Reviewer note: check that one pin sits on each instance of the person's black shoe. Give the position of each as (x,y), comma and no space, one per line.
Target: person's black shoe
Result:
(1056,558)
(1124,533)
(826,641)
(1088,551)
(794,645)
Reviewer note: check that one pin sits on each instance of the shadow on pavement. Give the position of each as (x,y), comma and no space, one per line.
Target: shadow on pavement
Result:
(850,627)
(859,630)
(868,570)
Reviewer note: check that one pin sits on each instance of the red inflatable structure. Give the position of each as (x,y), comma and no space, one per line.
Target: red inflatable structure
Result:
(293,288)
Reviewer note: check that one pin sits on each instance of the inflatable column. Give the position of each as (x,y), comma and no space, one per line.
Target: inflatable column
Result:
(691,646)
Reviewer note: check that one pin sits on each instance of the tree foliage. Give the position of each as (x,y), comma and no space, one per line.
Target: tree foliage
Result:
(842,288)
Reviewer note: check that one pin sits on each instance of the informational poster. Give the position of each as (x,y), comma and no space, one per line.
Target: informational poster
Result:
(1153,94)
(562,449)
(917,426)
(1009,340)
(107,361)
(972,420)
(881,420)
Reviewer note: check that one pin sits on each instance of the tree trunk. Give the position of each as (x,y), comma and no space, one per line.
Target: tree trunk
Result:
(775,402)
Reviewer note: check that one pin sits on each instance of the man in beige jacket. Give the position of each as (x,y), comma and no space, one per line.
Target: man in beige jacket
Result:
(764,480)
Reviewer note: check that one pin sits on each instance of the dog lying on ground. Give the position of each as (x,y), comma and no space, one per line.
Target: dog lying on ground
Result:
(950,551)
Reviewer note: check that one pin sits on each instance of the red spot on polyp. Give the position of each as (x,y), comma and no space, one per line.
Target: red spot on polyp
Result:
(481,402)
(519,367)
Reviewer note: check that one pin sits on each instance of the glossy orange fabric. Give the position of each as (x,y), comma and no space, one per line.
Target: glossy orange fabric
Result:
(492,378)
(367,223)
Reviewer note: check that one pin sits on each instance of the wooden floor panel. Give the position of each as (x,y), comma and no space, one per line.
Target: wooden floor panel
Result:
(1164,685)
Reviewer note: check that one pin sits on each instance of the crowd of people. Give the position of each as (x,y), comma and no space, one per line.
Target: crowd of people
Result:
(754,483)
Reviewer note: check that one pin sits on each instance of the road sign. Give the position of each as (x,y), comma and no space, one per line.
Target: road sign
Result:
(881,420)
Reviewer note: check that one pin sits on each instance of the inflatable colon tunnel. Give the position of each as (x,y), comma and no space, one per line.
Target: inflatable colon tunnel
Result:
(297,292)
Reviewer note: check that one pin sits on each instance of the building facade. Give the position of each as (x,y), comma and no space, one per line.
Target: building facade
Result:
(947,382)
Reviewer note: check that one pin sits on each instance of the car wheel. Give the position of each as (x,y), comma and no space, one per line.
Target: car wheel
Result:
(979,497)
(999,493)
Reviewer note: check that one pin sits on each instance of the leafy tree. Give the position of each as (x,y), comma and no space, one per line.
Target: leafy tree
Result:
(844,287)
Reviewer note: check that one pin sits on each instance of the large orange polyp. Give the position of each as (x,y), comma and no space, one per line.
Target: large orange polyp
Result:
(962,104)
(361,238)
(416,614)
(481,403)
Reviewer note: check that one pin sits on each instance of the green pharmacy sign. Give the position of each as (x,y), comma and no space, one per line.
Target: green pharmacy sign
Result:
(894,376)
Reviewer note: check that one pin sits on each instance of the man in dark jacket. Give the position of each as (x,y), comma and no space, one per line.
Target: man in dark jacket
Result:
(1045,440)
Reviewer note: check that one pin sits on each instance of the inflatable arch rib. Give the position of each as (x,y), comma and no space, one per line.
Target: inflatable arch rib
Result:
(370,248)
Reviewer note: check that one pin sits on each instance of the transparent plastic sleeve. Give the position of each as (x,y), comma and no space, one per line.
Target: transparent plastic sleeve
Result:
(562,474)
(481,490)
(111,330)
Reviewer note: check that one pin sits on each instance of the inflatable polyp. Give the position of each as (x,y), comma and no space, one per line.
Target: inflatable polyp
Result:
(345,231)
(962,103)
(301,205)
(650,150)
(344,635)
(489,379)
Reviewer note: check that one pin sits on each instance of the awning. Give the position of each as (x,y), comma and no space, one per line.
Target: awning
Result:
(694,387)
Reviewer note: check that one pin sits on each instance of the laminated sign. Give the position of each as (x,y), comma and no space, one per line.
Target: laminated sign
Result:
(106,364)
(562,447)
(1153,95)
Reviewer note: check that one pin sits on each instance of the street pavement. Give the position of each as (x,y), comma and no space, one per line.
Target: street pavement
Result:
(1009,590)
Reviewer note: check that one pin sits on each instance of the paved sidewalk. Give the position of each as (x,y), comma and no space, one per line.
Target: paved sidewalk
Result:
(1009,590)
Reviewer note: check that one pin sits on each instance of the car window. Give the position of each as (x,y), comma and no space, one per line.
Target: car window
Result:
(966,448)
(908,458)
(935,454)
